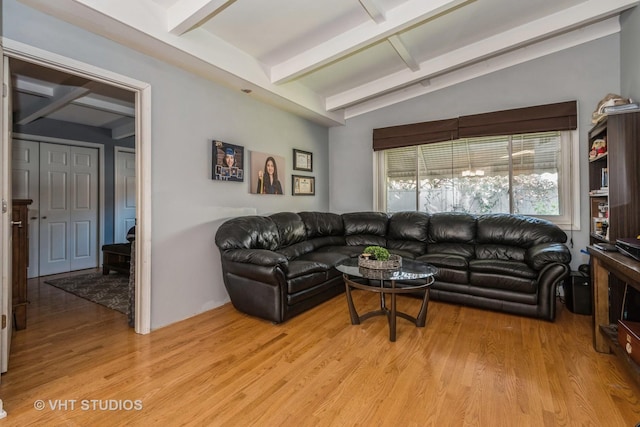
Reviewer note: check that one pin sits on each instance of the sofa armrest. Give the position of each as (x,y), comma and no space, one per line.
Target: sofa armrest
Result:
(261,257)
(545,253)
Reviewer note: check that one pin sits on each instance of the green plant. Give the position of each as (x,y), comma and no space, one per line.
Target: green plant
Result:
(377,252)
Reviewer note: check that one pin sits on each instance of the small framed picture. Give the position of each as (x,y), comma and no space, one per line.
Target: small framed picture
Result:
(228,162)
(303,185)
(302,160)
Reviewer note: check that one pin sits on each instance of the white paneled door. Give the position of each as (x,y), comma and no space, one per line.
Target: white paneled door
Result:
(25,166)
(68,208)
(125,193)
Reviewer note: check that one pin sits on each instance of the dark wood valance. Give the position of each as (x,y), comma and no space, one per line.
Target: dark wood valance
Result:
(415,134)
(540,118)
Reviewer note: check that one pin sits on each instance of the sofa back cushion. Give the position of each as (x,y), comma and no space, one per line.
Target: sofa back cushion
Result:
(322,224)
(452,233)
(517,230)
(365,228)
(408,231)
(248,232)
(507,237)
(291,228)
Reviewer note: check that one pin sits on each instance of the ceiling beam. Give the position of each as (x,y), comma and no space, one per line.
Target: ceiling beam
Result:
(144,28)
(400,18)
(63,96)
(47,90)
(571,18)
(509,59)
(126,108)
(374,11)
(123,128)
(33,87)
(404,53)
(185,15)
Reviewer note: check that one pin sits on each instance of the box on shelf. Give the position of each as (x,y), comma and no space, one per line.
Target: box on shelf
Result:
(600,225)
(629,338)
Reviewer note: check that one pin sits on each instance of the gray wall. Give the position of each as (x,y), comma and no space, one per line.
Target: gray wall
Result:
(630,54)
(187,113)
(584,73)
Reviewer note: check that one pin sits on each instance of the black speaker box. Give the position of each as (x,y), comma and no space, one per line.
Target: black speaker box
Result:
(577,293)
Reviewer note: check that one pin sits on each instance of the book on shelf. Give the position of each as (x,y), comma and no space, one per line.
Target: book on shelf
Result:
(621,107)
(604,178)
(600,192)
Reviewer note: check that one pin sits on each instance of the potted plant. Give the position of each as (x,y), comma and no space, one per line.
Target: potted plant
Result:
(376,252)
(377,257)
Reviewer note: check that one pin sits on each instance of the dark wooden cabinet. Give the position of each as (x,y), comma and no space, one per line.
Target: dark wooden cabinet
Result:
(620,195)
(20,260)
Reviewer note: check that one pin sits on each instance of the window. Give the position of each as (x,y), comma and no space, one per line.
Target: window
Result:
(530,174)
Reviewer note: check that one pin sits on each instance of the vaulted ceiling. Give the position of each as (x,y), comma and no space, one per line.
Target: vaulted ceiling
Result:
(330,60)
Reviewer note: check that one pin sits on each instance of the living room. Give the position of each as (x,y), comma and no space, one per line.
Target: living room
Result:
(188,111)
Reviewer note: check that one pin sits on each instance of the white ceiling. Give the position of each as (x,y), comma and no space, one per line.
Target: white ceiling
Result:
(330,60)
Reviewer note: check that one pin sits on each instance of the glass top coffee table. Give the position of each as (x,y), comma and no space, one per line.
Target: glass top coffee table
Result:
(386,282)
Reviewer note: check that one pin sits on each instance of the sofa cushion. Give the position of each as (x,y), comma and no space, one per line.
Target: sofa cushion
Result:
(502,282)
(503,267)
(345,250)
(500,252)
(307,281)
(445,260)
(298,268)
(328,259)
(320,242)
(291,228)
(365,228)
(464,250)
(452,227)
(297,249)
(408,232)
(320,224)
(451,268)
(517,230)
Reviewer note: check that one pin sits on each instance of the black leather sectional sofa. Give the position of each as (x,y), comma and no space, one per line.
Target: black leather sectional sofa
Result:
(277,266)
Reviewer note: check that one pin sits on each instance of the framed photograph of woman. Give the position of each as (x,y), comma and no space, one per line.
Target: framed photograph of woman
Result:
(267,172)
(228,162)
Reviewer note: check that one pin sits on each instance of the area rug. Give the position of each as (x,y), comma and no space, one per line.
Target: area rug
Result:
(111,290)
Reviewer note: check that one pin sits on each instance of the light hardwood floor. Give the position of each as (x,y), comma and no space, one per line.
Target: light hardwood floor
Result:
(221,368)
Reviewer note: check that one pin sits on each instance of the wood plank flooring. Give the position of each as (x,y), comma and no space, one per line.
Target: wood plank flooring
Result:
(221,368)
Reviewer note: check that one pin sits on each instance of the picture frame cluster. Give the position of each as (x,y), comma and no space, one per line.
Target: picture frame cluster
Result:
(228,165)
(302,185)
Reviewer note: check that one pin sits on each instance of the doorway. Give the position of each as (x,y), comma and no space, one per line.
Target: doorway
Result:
(141,90)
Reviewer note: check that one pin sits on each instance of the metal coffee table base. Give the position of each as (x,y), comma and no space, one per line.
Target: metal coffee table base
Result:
(392,313)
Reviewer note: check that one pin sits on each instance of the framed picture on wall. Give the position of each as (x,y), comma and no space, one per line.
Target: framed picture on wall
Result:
(303,185)
(302,160)
(264,173)
(227,162)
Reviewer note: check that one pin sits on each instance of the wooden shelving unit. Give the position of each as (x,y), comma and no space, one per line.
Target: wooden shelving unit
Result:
(614,200)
